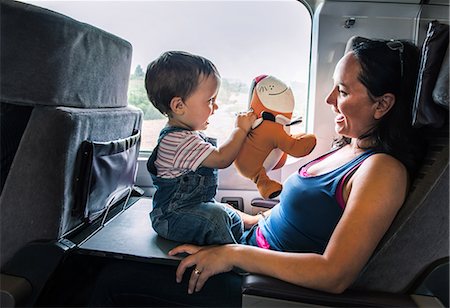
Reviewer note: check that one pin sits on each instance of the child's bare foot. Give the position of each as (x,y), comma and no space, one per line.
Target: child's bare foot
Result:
(249,220)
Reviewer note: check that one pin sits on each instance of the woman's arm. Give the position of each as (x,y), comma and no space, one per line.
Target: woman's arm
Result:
(375,193)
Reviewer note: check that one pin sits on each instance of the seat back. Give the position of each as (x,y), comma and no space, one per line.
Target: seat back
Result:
(419,235)
(72,79)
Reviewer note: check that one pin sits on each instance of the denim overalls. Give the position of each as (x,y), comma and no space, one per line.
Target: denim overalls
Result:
(184,209)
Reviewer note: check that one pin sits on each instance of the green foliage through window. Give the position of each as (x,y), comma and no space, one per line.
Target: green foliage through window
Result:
(233,95)
(137,96)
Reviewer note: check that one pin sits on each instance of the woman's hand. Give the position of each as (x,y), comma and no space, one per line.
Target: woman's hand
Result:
(208,261)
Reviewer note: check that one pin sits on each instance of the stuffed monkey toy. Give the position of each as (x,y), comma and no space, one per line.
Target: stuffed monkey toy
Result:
(268,143)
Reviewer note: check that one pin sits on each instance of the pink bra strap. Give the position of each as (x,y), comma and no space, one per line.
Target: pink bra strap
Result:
(340,187)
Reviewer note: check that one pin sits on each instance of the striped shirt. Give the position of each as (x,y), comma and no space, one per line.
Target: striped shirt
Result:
(180,152)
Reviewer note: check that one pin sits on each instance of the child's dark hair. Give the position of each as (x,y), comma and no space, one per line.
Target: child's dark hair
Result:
(175,74)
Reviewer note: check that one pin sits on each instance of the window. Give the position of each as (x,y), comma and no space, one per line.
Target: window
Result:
(244,39)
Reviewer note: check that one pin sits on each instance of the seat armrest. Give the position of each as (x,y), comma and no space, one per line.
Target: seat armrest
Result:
(266,287)
(35,263)
(263,203)
(14,290)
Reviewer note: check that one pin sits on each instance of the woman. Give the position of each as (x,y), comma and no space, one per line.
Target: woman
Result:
(346,199)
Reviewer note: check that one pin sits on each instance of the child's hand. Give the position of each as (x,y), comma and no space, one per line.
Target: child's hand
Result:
(245,120)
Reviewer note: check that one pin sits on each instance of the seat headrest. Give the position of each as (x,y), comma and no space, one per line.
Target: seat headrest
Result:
(440,92)
(425,110)
(50,59)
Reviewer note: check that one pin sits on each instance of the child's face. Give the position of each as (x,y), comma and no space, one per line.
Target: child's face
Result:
(201,103)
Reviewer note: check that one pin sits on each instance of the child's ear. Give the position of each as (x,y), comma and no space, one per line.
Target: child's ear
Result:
(383,105)
(177,105)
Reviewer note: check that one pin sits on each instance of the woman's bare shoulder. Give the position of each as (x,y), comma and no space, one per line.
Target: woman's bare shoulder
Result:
(379,162)
(382,174)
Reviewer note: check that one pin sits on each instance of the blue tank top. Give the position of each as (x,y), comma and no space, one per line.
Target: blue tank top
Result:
(308,211)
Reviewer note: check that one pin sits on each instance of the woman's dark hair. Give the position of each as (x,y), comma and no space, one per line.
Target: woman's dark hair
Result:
(392,67)
(175,73)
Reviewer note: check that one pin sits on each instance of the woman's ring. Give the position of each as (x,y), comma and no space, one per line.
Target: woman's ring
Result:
(197,271)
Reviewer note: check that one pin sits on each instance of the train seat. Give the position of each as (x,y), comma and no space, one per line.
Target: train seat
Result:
(63,95)
(416,246)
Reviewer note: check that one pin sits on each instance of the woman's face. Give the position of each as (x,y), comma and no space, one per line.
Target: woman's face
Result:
(350,101)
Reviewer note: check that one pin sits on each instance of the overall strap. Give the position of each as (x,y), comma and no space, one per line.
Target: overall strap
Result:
(151,160)
(167,130)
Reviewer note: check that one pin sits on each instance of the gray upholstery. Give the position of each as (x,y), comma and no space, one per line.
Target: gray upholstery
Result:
(440,91)
(426,112)
(48,59)
(43,171)
(76,77)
